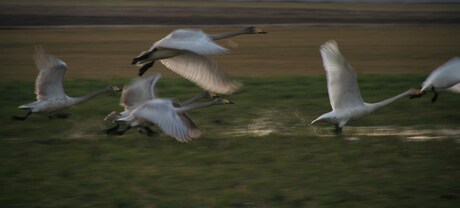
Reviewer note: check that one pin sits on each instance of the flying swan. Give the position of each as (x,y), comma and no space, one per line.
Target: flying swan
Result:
(143,108)
(49,89)
(187,51)
(344,95)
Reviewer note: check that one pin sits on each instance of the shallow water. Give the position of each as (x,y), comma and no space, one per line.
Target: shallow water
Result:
(290,122)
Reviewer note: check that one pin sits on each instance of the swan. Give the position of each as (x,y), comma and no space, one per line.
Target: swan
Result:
(344,95)
(141,91)
(187,51)
(132,96)
(170,118)
(444,78)
(49,89)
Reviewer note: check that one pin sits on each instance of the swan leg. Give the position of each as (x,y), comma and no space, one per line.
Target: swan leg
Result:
(147,131)
(435,96)
(145,67)
(21,118)
(118,132)
(338,130)
(112,129)
(124,130)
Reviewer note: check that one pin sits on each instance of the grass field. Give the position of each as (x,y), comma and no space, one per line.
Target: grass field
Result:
(259,152)
(61,163)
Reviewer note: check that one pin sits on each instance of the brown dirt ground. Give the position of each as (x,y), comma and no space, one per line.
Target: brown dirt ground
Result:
(189,13)
(285,51)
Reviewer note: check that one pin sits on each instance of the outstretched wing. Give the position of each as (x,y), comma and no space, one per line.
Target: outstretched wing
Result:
(193,40)
(342,84)
(202,71)
(49,82)
(162,113)
(139,92)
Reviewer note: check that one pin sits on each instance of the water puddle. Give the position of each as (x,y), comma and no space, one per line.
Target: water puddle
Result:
(289,122)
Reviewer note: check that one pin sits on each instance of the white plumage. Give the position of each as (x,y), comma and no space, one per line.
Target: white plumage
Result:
(162,113)
(143,107)
(193,40)
(49,87)
(186,52)
(344,94)
(443,77)
(455,89)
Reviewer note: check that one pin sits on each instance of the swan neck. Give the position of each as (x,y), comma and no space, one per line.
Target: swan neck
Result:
(228,34)
(192,100)
(194,106)
(92,95)
(375,106)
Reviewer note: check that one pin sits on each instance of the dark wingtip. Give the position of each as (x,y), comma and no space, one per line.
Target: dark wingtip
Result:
(144,68)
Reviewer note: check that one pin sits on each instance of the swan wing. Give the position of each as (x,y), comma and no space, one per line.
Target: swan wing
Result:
(139,92)
(194,132)
(445,76)
(202,71)
(455,89)
(342,84)
(162,113)
(193,40)
(193,129)
(49,82)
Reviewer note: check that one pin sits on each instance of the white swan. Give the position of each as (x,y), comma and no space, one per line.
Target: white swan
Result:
(344,95)
(132,96)
(445,77)
(137,94)
(186,51)
(49,88)
(170,117)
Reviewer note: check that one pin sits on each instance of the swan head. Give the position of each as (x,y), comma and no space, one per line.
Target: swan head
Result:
(254,30)
(222,101)
(114,89)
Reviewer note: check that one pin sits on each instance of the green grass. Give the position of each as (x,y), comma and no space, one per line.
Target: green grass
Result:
(68,163)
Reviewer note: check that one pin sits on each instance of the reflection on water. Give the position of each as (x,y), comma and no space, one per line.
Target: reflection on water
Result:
(270,121)
(407,133)
(290,122)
